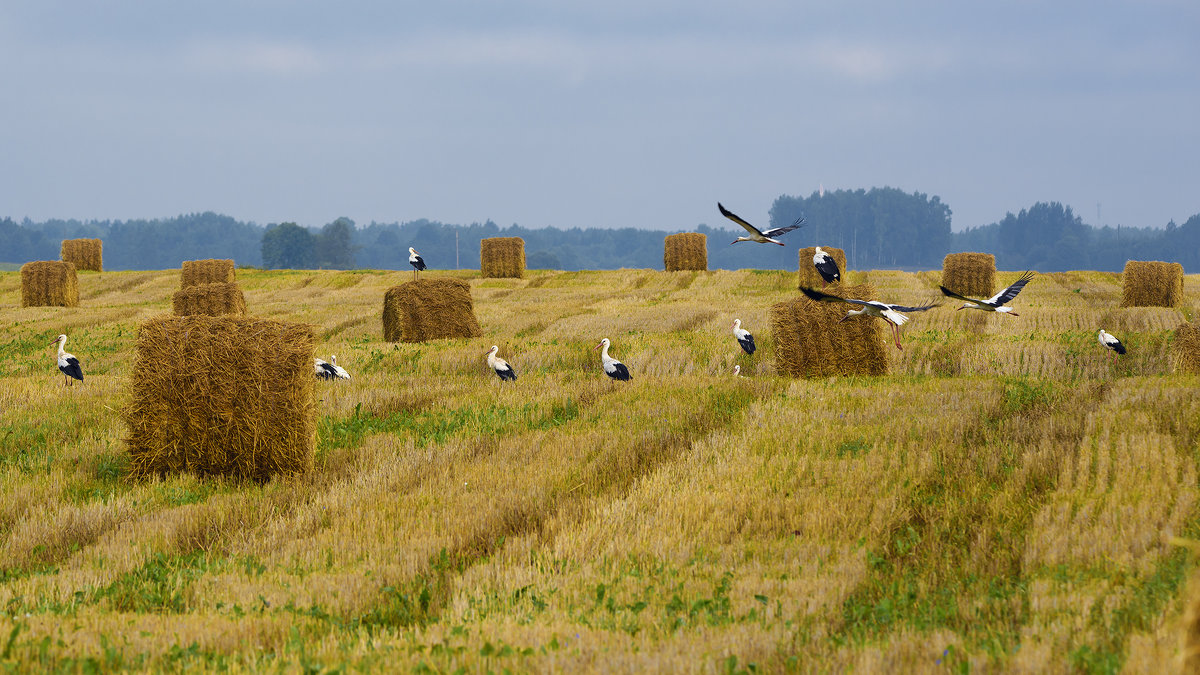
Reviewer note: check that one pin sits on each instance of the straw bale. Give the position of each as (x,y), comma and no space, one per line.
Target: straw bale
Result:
(971,274)
(49,283)
(502,257)
(685,252)
(809,278)
(84,254)
(229,396)
(209,299)
(1185,349)
(206,272)
(810,341)
(429,309)
(1152,284)
(1189,636)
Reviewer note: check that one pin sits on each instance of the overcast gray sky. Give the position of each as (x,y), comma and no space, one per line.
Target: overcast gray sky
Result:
(637,113)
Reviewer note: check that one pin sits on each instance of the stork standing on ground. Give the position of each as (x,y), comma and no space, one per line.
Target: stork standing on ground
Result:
(887,312)
(744,338)
(329,371)
(1110,341)
(503,370)
(612,367)
(996,302)
(757,235)
(416,261)
(67,363)
(826,267)
(737,371)
(338,371)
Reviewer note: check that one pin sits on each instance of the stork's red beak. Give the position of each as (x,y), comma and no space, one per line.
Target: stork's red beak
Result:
(598,346)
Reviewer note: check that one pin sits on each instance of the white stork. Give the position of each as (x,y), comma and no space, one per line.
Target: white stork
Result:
(338,371)
(888,312)
(744,338)
(826,267)
(323,370)
(67,363)
(503,370)
(612,367)
(760,236)
(737,371)
(1109,340)
(996,302)
(415,260)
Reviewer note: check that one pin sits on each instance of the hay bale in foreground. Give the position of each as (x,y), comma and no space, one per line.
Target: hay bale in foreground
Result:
(809,277)
(1185,349)
(810,341)
(209,299)
(429,309)
(685,252)
(84,254)
(1151,284)
(213,271)
(229,396)
(972,274)
(502,257)
(49,283)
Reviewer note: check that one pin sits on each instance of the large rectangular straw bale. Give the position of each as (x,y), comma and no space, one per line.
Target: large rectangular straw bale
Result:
(84,254)
(1185,349)
(810,341)
(502,257)
(429,309)
(230,396)
(685,252)
(809,278)
(971,274)
(209,299)
(49,283)
(1152,284)
(211,271)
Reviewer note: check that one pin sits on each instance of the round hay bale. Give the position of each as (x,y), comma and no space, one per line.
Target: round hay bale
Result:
(212,271)
(809,277)
(971,274)
(209,299)
(84,254)
(49,283)
(502,257)
(812,341)
(1151,284)
(429,309)
(1185,349)
(685,252)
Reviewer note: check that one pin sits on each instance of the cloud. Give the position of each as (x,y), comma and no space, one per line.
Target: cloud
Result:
(253,56)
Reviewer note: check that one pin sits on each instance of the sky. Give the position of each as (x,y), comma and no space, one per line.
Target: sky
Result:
(625,113)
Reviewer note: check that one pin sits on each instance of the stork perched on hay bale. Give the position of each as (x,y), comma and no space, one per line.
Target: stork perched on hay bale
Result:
(996,302)
(744,338)
(67,363)
(503,370)
(888,312)
(757,235)
(1110,341)
(416,261)
(612,367)
(826,267)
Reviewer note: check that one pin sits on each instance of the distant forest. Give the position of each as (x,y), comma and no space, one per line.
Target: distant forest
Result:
(880,228)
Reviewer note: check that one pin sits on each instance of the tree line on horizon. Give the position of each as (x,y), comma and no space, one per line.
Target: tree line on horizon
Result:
(880,228)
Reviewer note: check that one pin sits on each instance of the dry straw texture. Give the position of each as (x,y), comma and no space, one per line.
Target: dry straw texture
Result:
(229,396)
(84,254)
(1185,348)
(429,309)
(685,252)
(213,271)
(1151,284)
(1189,642)
(971,274)
(49,283)
(502,257)
(809,278)
(210,299)
(810,341)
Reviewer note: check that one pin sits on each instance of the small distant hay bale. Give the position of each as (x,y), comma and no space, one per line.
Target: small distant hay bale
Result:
(685,252)
(429,309)
(502,257)
(809,278)
(215,271)
(84,254)
(810,341)
(209,299)
(1185,349)
(971,274)
(1151,284)
(49,283)
(222,396)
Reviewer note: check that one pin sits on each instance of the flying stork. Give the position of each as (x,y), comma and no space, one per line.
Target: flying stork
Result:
(67,363)
(1110,341)
(760,236)
(612,367)
(996,302)
(744,338)
(503,370)
(887,312)
(826,267)
(415,260)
